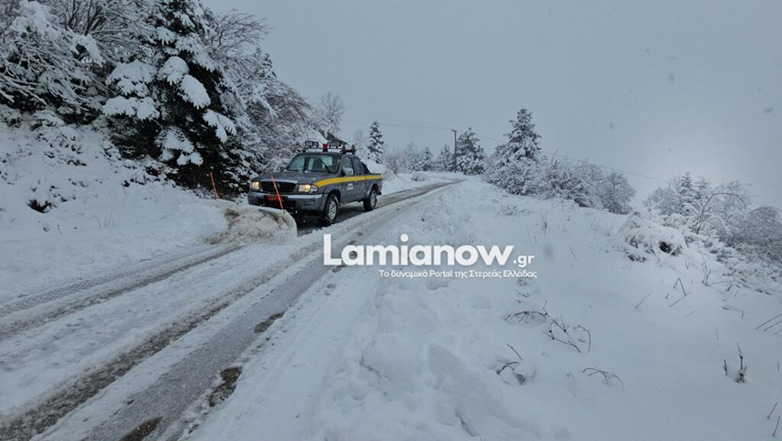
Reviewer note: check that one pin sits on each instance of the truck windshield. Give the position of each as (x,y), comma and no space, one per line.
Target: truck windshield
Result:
(314,163)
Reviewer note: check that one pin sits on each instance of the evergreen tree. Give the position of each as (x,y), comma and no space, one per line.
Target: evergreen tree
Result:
(414,158)
(469,154)
(517,157)
(523,140)
(172,94)
(427,159)
(376,145)
(445,159)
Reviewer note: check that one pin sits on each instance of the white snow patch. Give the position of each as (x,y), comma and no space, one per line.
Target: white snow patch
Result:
(174,70)
(132,78)
(250,224)
(223,125)
(194,92)
(143,108)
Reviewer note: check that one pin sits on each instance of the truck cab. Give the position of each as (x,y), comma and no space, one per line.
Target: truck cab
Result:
(317,182)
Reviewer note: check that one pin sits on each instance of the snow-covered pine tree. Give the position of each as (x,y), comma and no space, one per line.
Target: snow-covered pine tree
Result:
(516,159)
(523,140)
(376,145)
(469,154)
(172,94)
(427,159)
(445,159)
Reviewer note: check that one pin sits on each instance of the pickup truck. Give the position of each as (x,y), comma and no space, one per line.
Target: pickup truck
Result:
(318,183)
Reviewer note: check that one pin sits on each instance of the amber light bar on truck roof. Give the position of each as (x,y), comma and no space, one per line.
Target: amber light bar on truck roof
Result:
(342,147)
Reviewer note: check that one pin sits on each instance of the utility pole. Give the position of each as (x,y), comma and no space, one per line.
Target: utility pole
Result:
(454,149)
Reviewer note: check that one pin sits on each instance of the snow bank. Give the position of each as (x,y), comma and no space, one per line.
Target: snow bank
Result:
(248,224)
(71,206)
(642,238)
(595,348)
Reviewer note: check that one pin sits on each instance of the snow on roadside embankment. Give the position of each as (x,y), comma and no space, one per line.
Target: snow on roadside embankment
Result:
(71,207)
(599,346)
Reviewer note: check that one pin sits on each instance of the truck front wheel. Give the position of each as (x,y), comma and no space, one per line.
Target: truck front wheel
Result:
(330,210)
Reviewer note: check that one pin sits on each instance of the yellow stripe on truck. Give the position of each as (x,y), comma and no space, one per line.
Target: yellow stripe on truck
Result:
(348,179)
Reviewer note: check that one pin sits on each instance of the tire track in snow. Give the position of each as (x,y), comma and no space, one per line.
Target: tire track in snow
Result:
(60,302)
(48,411)
(188,380)
(25,425)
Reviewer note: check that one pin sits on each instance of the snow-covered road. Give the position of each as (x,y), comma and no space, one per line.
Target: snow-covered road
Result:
(64,346)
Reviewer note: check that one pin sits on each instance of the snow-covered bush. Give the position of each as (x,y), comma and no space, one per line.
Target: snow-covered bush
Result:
(521,168)
(40,64)
(562,179)
(409,159)
(396,161)
(51,172)
(641,238)
(700,207)
(555,178)
(760,231)
(418,177)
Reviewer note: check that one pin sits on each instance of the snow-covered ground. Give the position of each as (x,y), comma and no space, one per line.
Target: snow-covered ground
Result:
(394,183)
(110,220)
(614,339)
(597,347)
(100,212)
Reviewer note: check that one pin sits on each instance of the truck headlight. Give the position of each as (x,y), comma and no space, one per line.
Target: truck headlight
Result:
(307,188)
(255,185)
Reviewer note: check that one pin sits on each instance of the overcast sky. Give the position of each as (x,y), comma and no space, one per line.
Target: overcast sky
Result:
(657,88)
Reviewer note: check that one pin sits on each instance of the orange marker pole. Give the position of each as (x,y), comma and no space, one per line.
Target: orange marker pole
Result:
(279,199)
(214,187)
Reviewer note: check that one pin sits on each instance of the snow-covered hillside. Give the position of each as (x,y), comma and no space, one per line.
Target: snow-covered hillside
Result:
(600,346)
(70,206)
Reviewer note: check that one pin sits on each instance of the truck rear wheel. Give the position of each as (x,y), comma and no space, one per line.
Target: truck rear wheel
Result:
(330,211)
(371,201)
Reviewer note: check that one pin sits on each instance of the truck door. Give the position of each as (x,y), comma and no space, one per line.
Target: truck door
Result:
(348,188)
(361,185)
